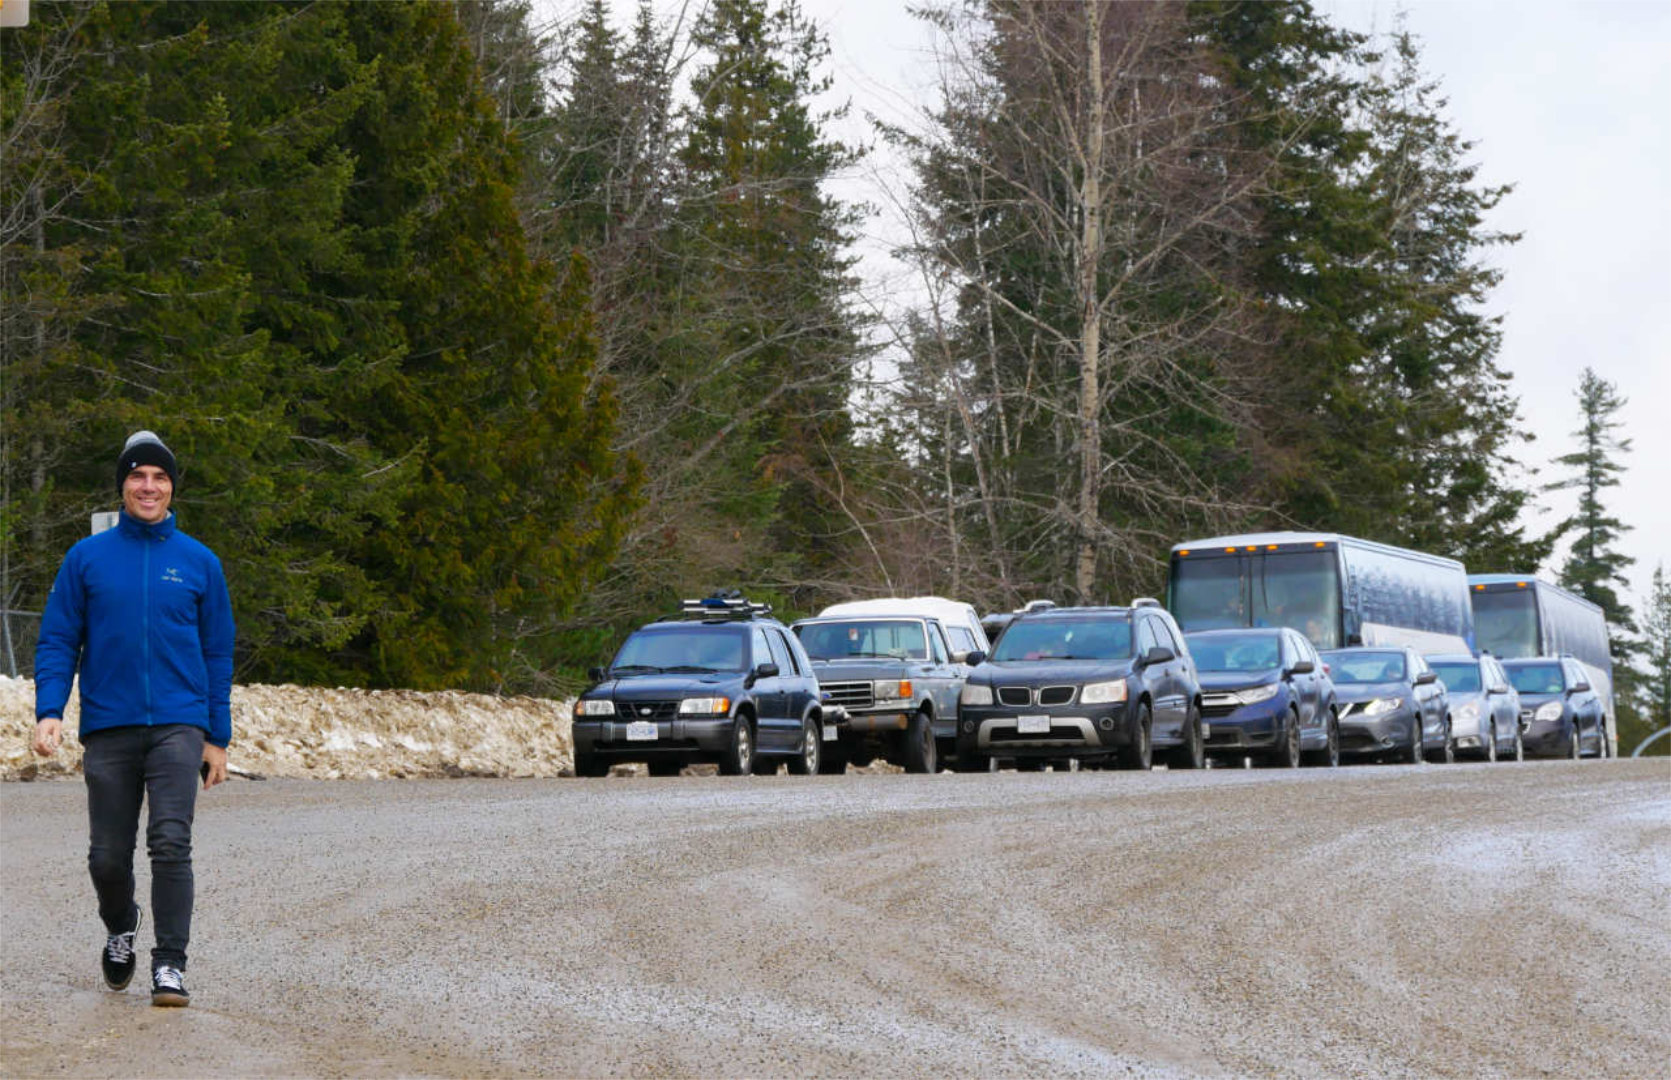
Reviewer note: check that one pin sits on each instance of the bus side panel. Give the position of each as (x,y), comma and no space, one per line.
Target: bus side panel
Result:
(1408,601)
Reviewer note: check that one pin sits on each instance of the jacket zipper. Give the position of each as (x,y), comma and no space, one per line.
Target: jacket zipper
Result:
(145,624)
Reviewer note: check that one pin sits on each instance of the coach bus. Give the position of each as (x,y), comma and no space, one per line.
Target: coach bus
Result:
(1516,616)
(1336,590)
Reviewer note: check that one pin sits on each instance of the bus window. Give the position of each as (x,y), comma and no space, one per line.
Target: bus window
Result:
(1506,623)
(1207,594)
(1299,590)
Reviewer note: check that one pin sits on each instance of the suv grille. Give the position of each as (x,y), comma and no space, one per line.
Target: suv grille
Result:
(646,710)
(1015,695)
(1056,695)
(850,695)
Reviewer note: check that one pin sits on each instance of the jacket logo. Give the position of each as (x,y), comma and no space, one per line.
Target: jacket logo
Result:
(173,575)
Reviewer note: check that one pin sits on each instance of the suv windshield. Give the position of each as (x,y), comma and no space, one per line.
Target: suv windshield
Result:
(1236,652)
(861,638)
(693,648)
(1066,639)
(1356,667)
(1536,678)
(1459,678)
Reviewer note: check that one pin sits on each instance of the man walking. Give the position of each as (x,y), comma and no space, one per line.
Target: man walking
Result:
(143,610)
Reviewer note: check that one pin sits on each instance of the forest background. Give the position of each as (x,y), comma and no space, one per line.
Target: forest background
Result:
(483,340)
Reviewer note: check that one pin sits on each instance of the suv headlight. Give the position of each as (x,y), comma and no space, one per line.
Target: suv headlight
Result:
(1257,694)
(1549,710)
(894,690)
(1103,693)
(705,706)
(1382,705)
(594,707)
(975,694)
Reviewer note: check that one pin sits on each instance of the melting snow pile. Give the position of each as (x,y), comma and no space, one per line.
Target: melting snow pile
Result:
(327,734)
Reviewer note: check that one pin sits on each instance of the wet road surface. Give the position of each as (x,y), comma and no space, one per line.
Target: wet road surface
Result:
(1379,921)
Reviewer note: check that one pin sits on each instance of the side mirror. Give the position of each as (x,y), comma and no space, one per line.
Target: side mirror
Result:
(1304,667)
(1427,678)
(596,674)
(766,670)
(1579,688)
(1158,654)
(1499,689)
(973,657)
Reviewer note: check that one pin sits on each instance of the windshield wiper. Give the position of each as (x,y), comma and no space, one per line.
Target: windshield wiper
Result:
(691,669)
(635,669)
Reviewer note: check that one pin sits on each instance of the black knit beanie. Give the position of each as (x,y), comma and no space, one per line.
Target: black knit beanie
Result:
(144,448)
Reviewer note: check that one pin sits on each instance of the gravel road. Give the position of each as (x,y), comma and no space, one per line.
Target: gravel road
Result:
(1380,921)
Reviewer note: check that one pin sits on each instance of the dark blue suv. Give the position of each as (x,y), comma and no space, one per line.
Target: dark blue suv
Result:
(1266,694)
(723,682)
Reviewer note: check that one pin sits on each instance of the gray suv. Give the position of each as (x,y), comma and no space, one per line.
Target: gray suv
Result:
(890,687)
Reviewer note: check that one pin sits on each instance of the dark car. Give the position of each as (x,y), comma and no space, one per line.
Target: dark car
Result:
(1265,694)
(1097,684)
(1484,707)
(1389,702)
(897,685)
(1560,713)
(724,682)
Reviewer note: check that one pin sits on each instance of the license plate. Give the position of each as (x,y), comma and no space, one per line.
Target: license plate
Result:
(1032,725)
(831,733)
(641,731)
(1206,729)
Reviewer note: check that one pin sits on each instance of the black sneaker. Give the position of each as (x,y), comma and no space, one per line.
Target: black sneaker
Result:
(168,986)
(117,959)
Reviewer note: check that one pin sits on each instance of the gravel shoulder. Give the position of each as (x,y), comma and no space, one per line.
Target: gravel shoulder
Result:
(1380,921)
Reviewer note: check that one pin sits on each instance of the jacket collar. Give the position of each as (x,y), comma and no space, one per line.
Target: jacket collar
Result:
(140,530)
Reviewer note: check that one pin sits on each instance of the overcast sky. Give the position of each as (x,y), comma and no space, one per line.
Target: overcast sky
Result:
(1570,102)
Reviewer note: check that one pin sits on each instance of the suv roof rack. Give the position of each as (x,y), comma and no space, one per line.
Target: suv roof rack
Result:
(723,605)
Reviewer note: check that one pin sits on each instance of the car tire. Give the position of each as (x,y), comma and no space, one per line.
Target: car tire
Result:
(1329,756)
(920,747)
(1489,752)
(1139,754)
(832,760)
(1286,753)
(1193,754)
(590,766)
(666,768)
(1416,755)
(738,757)
(810,759)
(1576,750)
(1519,753)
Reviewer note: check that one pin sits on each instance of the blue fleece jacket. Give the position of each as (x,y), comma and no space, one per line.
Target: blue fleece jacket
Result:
(143,609)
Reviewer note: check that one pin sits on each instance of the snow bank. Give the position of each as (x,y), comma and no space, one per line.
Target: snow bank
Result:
(327,734)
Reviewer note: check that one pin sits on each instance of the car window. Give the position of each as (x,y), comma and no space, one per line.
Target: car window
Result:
(762,651)
(962,640)
(852,639)
(1145,636)
(937,644)
(1094,638)
(783,653)
(1168,636)
(1575,674)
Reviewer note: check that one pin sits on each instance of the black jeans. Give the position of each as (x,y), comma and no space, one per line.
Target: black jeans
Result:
(123,766)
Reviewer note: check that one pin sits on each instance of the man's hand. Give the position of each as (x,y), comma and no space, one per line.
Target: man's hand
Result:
(48,734)
(215,757)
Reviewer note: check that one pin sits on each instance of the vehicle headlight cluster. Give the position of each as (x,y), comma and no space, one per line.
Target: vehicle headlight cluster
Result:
(594,707)
(892,690)
(1103,693)
(1257,694)
(705,706)
(1382,705)
(1549,710)
(975,694)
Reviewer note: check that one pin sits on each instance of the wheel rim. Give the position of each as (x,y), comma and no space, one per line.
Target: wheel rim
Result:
(1448,755)
(1293,742)
(1491,745)
(745,757)
(812,752)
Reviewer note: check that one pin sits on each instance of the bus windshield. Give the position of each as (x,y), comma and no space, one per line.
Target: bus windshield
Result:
(1506,622)
(1299,590)
(1207,593)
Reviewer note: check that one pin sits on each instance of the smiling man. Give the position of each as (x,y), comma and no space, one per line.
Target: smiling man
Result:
(143,611)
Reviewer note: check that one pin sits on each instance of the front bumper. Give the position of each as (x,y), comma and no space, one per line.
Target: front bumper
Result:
(1549,738)
(1075,730)
(1234,726)
(1360,734)
(617,739)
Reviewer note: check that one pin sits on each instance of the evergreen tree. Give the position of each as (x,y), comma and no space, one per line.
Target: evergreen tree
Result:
(1594,568)
(1656,653)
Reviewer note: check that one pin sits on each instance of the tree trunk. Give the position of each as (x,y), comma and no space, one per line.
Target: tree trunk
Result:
(1090,258)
